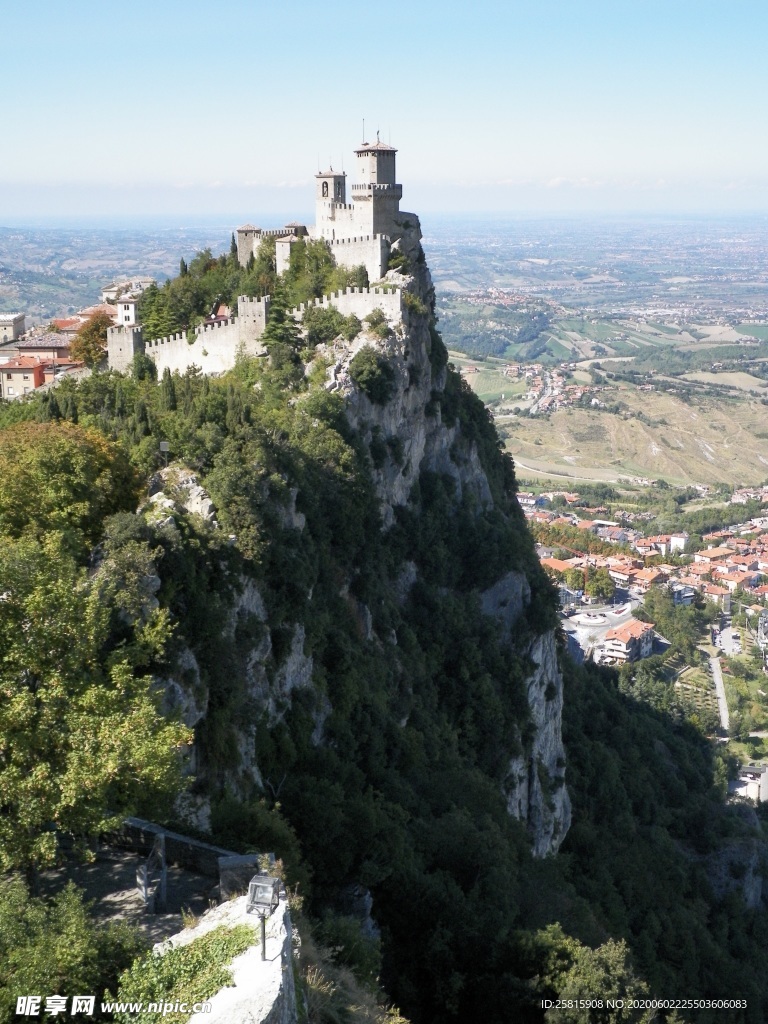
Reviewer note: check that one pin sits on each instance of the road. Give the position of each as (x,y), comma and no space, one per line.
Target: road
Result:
(722,704)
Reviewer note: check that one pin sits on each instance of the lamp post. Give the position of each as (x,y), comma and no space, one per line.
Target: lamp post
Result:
(263,898)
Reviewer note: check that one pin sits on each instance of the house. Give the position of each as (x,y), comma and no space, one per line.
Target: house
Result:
(11,326)
(681,593)
(713,555)
(721,596)
(647,578)
(19,377)
(623,575)
(737,580)
(630,641)
(587,524)
(115,291)
(662,543)
(752,783)
(556,565)
(48,345)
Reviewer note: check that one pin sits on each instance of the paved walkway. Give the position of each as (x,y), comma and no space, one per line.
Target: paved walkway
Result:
(110,881)
(722,704)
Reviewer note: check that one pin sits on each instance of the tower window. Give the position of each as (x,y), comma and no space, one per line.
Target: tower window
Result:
(325,189)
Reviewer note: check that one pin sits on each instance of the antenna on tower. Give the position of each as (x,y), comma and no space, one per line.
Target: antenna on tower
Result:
(363,131)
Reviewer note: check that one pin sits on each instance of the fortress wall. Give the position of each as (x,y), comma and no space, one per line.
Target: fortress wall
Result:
(252,319)
(344,220)
(372,251)
(245,245)
(248,241)
(360,301)
(213,349)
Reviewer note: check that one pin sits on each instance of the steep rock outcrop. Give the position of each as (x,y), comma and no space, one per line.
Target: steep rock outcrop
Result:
(406,435)
(536,792)
(535,784)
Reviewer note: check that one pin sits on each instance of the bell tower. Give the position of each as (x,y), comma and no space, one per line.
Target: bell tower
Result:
(331,187)
(330,192)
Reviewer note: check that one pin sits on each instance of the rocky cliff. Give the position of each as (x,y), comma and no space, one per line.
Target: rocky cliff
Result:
(418,432)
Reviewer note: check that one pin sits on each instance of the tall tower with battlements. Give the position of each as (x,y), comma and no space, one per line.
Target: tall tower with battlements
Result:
(377,192)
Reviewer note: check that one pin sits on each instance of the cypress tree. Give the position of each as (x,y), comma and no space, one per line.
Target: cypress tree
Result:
(167,392)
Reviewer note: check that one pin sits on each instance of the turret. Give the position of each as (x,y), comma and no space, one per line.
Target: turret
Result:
(376,164)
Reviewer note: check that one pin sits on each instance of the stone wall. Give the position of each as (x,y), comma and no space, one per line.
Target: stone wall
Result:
(369,251)
(262,991)
(212,347)
(360,301)
(123,343)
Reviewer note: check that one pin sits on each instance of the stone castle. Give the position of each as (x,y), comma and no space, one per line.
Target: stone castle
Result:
(360,232)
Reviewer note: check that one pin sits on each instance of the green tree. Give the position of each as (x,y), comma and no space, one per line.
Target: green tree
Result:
(373,374)
(574,579)
(576,975)
(62,477)
(167,391)
(82,741)
(90,343)
(601,585)
(54,947)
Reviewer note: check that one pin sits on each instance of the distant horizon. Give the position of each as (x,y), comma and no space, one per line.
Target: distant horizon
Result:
(191,221)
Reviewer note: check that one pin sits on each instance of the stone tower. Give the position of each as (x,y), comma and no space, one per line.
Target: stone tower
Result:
(377,192)
(330,193)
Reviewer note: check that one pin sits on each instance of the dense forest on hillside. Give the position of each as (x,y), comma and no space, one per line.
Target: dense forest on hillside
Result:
(421,706)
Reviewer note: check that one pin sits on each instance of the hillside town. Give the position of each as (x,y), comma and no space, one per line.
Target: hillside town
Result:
(39,356)
(732,568)
(547,389)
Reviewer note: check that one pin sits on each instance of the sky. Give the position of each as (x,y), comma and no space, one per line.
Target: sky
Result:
(190,112)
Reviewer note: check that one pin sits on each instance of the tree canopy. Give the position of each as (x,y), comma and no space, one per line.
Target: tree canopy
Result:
(90,343)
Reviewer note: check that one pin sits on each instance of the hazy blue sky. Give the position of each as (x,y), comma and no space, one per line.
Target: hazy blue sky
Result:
(186,108)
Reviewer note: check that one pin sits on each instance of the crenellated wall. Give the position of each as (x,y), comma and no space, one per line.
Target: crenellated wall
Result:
(214,346)
(360,301)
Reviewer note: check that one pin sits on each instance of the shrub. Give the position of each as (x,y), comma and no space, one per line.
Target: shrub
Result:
(414,304)
(377,322)
(191,973)
(55,946)
(373,374)
(399,261)
(323,325)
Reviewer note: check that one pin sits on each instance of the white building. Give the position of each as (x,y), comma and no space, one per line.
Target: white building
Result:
(12,326)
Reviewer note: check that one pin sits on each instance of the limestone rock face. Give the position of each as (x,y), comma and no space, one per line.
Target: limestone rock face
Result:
(178,487)
(535,786)
(506,599)
(418,439)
